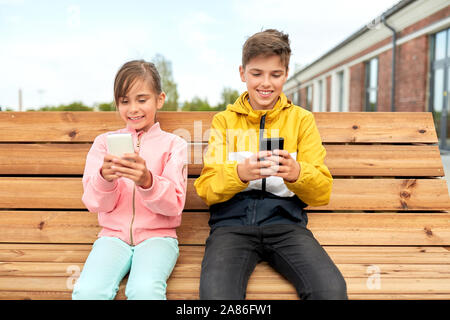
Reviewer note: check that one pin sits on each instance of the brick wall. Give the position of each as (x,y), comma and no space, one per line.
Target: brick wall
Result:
(357,73)
(303,97)
(411,78)
(328,94)
(384,81)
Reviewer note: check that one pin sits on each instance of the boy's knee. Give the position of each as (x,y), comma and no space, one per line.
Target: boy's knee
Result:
(336,290)
(211,290)
(154,289)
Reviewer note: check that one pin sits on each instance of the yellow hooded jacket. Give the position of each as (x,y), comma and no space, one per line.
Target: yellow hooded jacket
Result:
(235,136)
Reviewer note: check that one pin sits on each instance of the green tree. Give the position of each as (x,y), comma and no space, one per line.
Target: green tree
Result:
(228,96)
(107,106)
(167,82)
(197,104)
(74,106)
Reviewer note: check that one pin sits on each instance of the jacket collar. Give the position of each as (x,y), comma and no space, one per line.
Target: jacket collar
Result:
(242,106)
(155,129)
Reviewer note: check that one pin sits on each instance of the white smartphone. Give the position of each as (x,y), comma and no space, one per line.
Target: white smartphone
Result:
(119,143)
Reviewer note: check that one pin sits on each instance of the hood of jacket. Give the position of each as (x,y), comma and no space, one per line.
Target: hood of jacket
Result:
(242,106)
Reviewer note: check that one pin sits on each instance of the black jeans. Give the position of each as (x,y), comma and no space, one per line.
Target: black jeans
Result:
(232,253)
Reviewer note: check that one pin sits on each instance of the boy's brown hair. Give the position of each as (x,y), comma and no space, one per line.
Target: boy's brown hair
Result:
(132,71)
(267,43)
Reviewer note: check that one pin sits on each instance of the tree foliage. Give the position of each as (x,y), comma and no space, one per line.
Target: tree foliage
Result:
(229,96)
(106,106)
(168,84)
(196,104)
(74,106)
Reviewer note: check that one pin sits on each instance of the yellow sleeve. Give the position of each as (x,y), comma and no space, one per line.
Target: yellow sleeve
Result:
(314,183)
(219,180)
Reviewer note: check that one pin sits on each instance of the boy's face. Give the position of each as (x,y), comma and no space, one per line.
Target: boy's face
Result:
(138,107)
(265,77)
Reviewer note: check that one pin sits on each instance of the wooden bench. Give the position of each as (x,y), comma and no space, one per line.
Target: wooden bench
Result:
(387,225)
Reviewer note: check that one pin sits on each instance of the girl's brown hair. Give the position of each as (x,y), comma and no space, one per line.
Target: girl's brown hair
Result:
(132,71)
(267,43)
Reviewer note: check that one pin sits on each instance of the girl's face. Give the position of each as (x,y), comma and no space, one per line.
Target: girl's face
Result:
(138,107)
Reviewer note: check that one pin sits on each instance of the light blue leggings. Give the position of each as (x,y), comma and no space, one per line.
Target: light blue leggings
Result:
(150,264)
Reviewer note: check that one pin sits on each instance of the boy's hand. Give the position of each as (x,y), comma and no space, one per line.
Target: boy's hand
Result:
(133,167)
(253,169)
(288,167)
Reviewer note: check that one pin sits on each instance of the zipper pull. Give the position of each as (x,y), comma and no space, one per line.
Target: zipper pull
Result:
(138,144)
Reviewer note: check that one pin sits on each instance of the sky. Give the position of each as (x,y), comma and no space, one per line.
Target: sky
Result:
(58,52)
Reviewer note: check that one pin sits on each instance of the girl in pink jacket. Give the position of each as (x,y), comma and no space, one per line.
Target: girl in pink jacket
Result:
(139,198)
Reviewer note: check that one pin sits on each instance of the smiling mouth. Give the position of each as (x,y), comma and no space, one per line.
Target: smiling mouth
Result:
(135,118)
(264,93)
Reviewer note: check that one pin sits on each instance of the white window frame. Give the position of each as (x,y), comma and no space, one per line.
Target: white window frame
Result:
(335,90)
(317,106)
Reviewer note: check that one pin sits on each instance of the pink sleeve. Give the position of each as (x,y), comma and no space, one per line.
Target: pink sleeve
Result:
(99,195)
(167,194)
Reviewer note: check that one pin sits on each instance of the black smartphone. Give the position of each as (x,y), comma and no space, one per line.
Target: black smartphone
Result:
(271,144)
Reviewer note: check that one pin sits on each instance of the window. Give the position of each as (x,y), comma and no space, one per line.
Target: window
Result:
(295,98)
(371,85)
(440,44)
(440,86)
(340,88)
(320,96)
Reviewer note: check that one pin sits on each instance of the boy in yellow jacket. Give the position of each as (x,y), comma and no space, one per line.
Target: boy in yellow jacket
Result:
(257,197)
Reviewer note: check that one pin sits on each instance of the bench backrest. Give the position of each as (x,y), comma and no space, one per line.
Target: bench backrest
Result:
(388,187)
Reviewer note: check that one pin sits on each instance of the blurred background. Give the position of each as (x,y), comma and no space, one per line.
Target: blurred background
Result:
(65,53)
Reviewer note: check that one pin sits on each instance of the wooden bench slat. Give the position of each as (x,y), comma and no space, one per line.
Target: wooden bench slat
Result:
(397,277)
(366,194)
(85,126)
(384,160)
(387,127)
(383,127)
(77,253)
(383,221)
(391,273)
(329,228)
(188,270)
(59,295)
(271,287)
(388,194)
(43,159)
(342,160)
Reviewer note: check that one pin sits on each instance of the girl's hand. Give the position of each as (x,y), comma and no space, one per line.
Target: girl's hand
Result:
(133,167)
(107,173)
(253,169)
(288,167)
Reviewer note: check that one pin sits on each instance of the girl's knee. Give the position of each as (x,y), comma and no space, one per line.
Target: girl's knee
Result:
(154,289)
(92,291)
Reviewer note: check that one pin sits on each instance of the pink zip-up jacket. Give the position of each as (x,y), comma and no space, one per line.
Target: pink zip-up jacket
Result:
(129,212)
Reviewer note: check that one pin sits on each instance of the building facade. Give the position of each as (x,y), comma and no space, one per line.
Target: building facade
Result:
(364,73)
